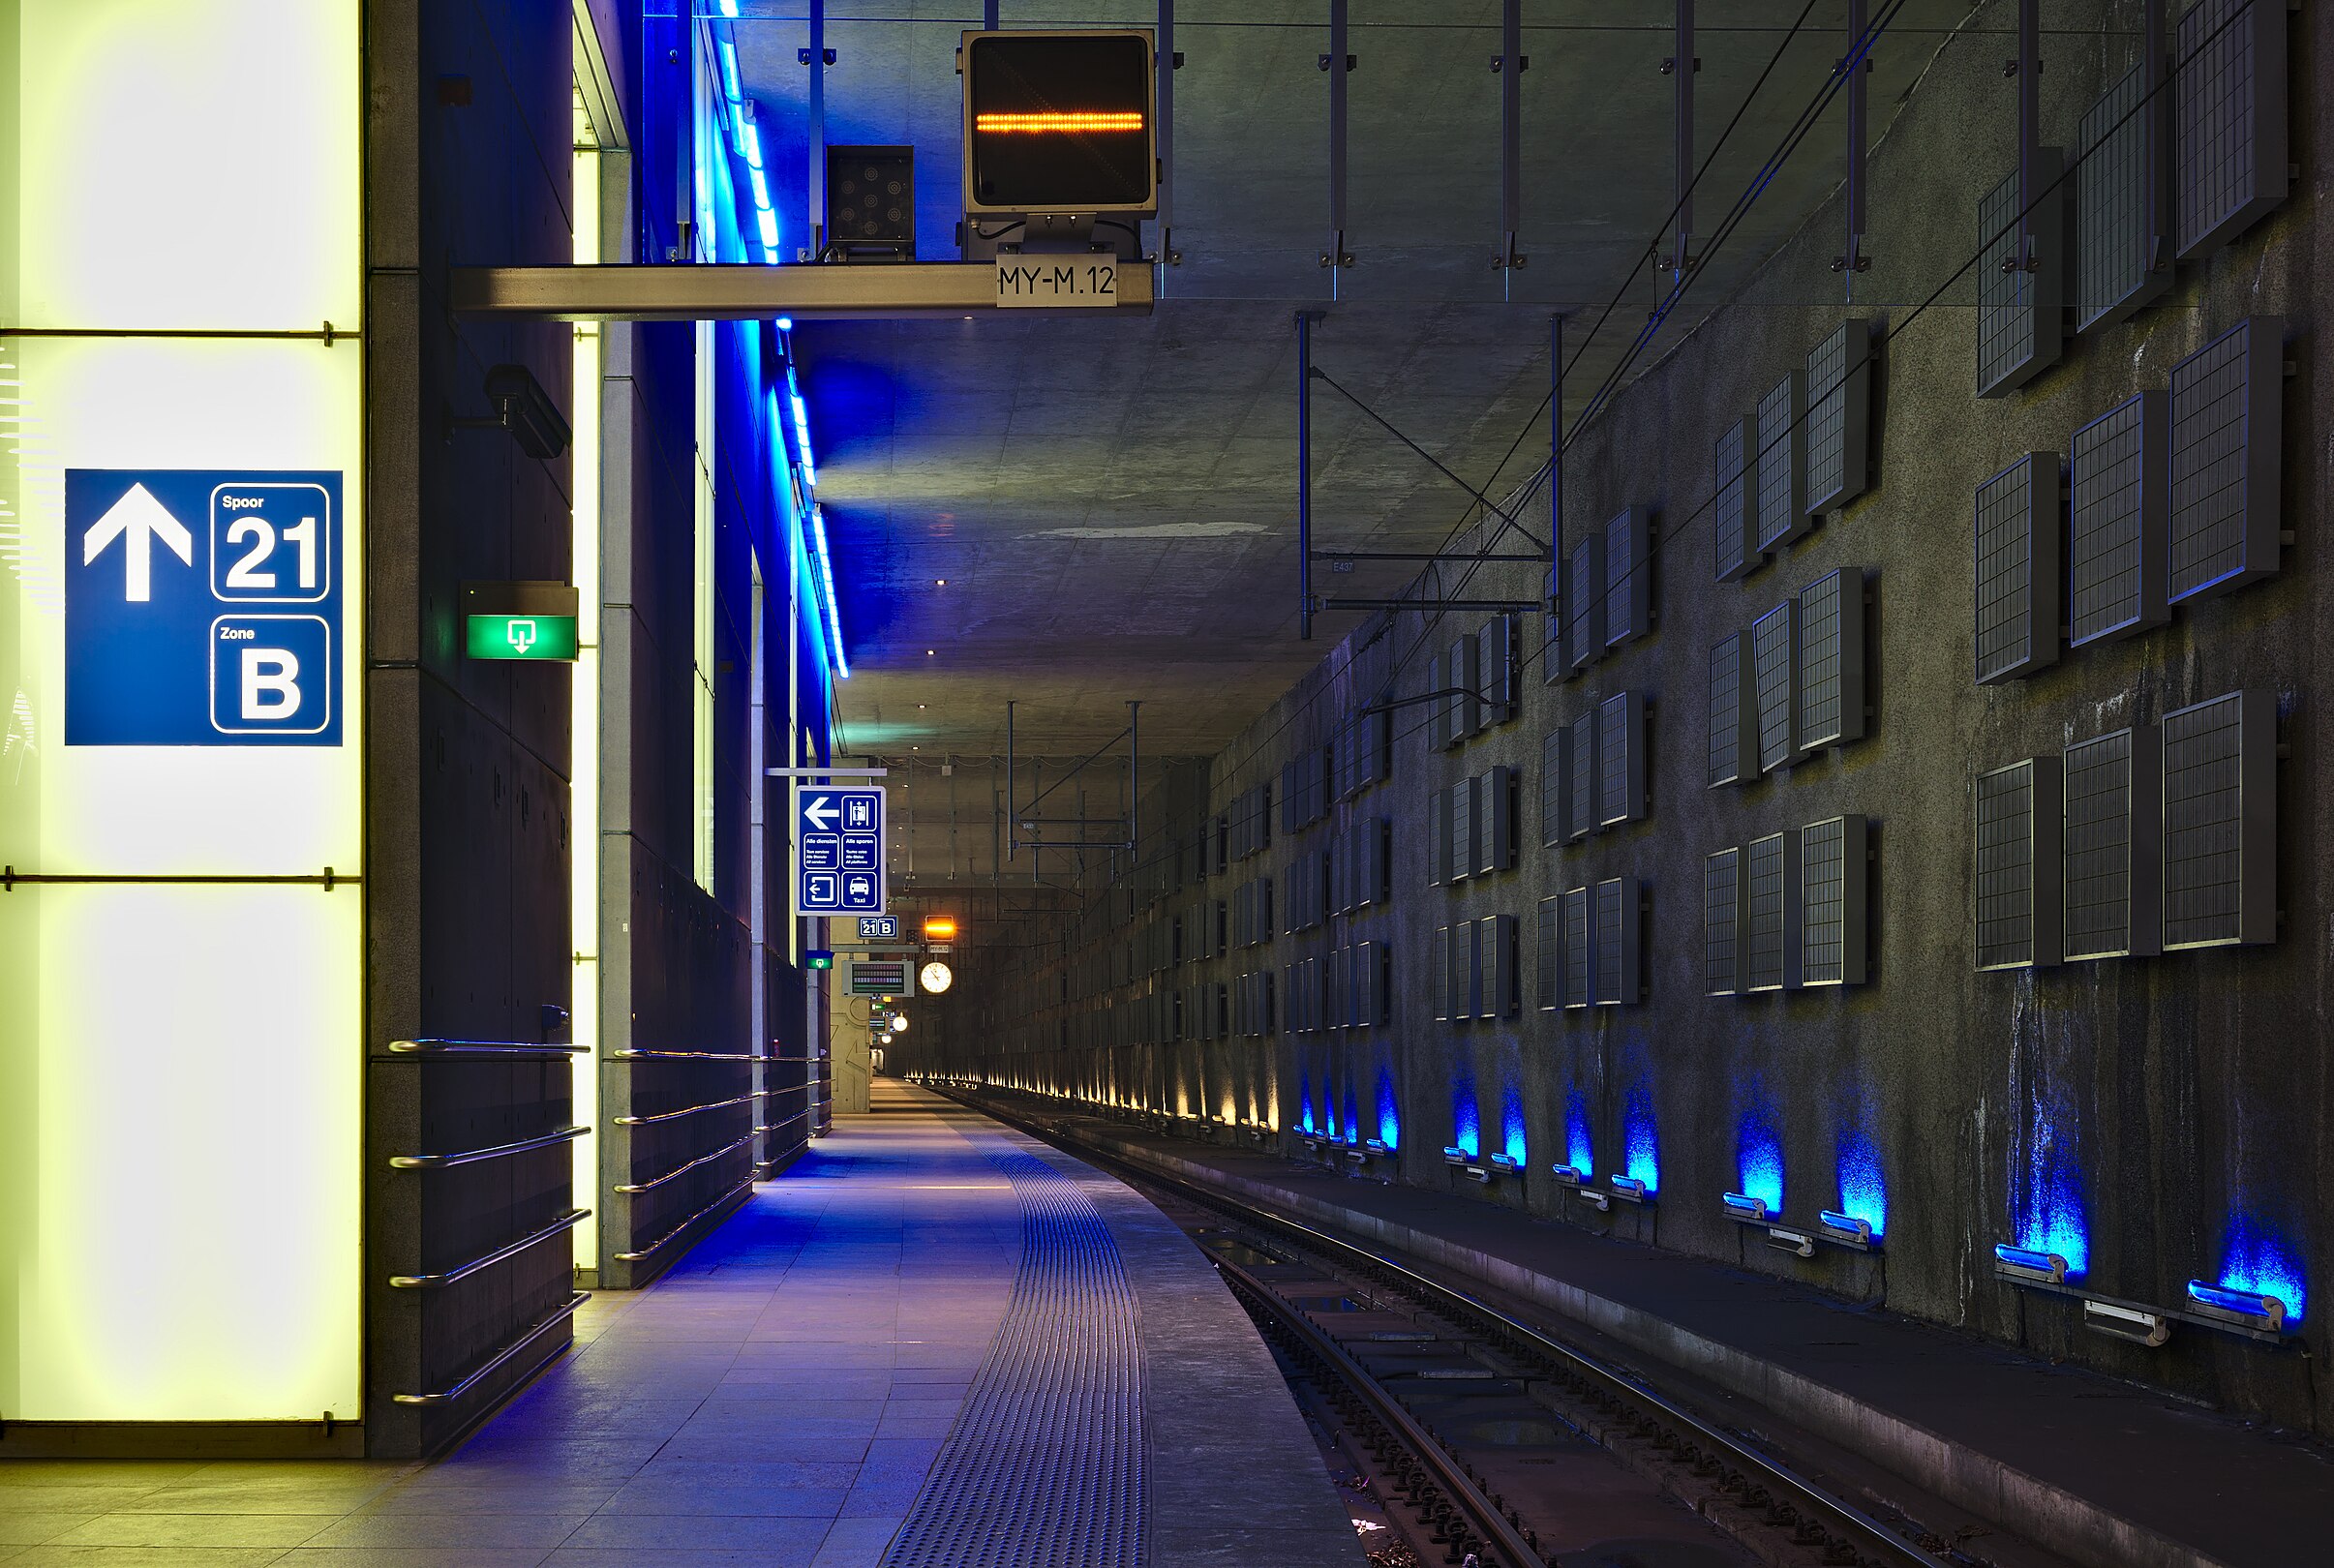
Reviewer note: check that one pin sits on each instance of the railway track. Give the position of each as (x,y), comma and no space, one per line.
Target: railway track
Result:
(1481,1439)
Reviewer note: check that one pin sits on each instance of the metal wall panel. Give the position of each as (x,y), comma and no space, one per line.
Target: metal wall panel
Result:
(1585,605)
(1726,923)
(1832,901)
(1774,685)
(1439,709)
(2113,273)
(2017,565)
(1840,416)
(2017,868)
(2022,328)
(1438,973)
(1830,662)
(1621,794)
(1478,1004)
(1556,757)
(2220,822)
(1495,820)
(2112,844)
(1580,948)
(1466,677)
(1502,988)
(1781,463)
(1770,910)
(1628,577)
(1581,817)
(1619,966)
(1548,989)
(1464,829)
(2226,416)
(1495,672)
(2228,119)
(1735,505)
(1732,756)
(2118,491)
(1438,838)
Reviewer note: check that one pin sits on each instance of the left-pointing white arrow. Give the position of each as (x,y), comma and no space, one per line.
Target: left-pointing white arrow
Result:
(137,520)
(820,812)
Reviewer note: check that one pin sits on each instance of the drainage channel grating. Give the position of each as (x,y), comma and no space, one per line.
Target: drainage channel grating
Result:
(1043,1468)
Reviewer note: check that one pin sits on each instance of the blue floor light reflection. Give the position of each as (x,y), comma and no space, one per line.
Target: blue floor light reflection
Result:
(1641,1147)
(2260,1282)
(1759,1162)
(1580,1147)
(1467,1130)
(1863,1193)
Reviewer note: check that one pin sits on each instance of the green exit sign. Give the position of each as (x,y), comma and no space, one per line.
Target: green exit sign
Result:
(521,637)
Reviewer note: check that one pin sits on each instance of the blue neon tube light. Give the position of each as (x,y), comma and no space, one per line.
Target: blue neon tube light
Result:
(835,615)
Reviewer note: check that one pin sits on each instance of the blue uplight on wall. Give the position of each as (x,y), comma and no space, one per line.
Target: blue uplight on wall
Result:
(1641,1147)
(1864,1192)
(1580,1148)
(2052,1218)
(1304,1100)
(1759,1159)
(1511,1121)
(1389,1118)
(2256,1260)
(1466,1130)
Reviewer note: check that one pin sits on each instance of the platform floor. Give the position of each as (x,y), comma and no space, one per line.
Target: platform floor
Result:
(931,1342)
(2110,1472)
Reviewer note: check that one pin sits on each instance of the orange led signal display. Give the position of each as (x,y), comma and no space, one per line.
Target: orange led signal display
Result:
(940,928)
(1059,120)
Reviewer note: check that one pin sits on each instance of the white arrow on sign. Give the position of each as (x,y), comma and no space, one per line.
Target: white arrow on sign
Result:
(820,812)
(137,520)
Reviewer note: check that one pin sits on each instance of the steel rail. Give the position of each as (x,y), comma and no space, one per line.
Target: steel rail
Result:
(1852,1524)
(1483,1515)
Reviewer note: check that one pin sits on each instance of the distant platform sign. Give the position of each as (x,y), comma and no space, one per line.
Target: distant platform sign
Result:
(880,977)
(840,833)
(878,927)
(202,608)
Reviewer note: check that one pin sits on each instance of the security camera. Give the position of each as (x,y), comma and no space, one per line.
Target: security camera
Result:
(527,411)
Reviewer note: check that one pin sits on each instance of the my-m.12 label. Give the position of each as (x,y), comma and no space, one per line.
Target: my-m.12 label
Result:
(202,608)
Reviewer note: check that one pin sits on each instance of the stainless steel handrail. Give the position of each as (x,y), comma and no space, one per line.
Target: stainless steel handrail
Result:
(505,1048)
(501,1357)
(431,1281)
(677,1170)
(664,1240)
(469,1157)
(688,1056)
(675,1116)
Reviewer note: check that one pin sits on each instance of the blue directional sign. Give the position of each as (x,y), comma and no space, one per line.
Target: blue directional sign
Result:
(878,927)
(202,608)
(841,832)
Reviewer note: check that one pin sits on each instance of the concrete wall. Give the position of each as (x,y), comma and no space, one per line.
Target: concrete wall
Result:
(2181,1093)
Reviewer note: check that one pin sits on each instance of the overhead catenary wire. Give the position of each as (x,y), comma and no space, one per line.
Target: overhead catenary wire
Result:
(1677,526)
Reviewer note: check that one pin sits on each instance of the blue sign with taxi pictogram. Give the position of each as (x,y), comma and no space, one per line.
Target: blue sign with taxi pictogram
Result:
(840,833)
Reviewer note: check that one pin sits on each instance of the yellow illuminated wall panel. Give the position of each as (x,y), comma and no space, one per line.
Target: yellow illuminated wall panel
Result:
(180,1060)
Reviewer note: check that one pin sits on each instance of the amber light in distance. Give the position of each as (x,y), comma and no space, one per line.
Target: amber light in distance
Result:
(940,928)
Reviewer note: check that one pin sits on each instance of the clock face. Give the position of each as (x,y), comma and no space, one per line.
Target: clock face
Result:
(935,977)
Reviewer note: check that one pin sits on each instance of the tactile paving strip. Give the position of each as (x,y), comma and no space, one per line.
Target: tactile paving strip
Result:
(1045,1466)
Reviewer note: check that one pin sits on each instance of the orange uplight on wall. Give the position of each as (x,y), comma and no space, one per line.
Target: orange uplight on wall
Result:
(940,928)
(1066,120)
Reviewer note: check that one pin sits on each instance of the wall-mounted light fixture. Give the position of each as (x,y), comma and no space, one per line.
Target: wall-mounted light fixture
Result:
(524,409)
(1797,1243)
(1745,1210)
(2245,1309)
(2120,1322)
(1631,1190)
(1846,1229)
(2026,1263)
